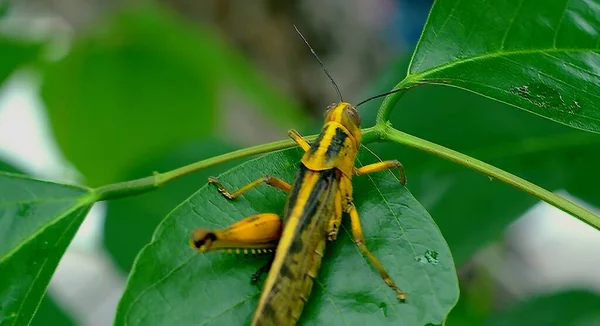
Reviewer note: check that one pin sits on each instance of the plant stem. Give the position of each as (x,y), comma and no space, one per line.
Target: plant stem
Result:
(555,200)
(138,186)
(383,115)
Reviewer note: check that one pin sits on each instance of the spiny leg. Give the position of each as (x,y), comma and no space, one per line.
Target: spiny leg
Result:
(270,180)
(360,242)
(381,166)
(301,141)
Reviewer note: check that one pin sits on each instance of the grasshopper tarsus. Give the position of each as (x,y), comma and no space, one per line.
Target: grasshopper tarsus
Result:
(220,188)
(263,269)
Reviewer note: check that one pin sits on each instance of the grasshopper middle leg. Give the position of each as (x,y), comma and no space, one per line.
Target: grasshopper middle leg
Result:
(270,180)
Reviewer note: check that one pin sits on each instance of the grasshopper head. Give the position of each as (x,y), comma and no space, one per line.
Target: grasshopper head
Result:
(202,240)
(346,115)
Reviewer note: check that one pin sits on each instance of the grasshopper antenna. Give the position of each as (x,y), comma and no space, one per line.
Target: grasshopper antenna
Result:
(337,89)
(380,95)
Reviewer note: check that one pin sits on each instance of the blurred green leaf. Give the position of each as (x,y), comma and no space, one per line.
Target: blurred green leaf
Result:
(48,312)
(4,5)
(470,209)
(145,82)
(130,91)
(573,308)
(171,284)
(14,54)
(130,222)
(38,219)
(476,301)
(541,57)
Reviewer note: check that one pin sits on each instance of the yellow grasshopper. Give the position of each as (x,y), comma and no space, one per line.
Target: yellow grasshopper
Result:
(320,194)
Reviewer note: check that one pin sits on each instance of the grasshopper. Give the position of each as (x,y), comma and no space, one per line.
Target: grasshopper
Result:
(320,194)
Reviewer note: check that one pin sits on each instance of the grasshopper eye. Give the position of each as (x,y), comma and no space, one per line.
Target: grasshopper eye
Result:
(353,114)
(329,108)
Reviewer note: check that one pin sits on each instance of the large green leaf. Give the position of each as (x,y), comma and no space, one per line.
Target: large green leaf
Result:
(38,219)
(572,308)
(470,209)
(144,212)
(541,56)
(129,91)
(171,284)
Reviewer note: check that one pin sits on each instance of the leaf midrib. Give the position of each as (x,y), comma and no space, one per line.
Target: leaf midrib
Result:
(416,77)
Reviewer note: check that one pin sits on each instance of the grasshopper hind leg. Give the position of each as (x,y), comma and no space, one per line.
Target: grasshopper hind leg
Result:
(360,242)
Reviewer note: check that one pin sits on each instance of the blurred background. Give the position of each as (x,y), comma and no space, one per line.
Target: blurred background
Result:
(98,91)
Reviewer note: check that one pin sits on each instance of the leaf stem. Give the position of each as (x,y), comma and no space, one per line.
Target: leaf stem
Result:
(138,186)
(383,115)
(555,200)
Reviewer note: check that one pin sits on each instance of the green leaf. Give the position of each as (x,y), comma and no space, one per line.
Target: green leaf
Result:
(140,86)
(567,308)
(48,311)
(470,209)
(172,284)
(130,222)
(15,54)
(543,58)
(38,219)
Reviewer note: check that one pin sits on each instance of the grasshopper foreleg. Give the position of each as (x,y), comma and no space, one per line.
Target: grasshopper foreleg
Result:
(381,166)
(360,242)
(270,180)
(301,141)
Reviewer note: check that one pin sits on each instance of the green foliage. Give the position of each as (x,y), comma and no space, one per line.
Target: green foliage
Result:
(128,93)
(541,58)
(215,288)
(566,308)
(15,54)
(38,221)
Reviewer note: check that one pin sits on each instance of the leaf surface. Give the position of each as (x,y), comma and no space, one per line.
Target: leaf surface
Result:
(543,58)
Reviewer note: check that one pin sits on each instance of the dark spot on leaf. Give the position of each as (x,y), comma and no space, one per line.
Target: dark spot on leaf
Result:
(25,210)
(545,97)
